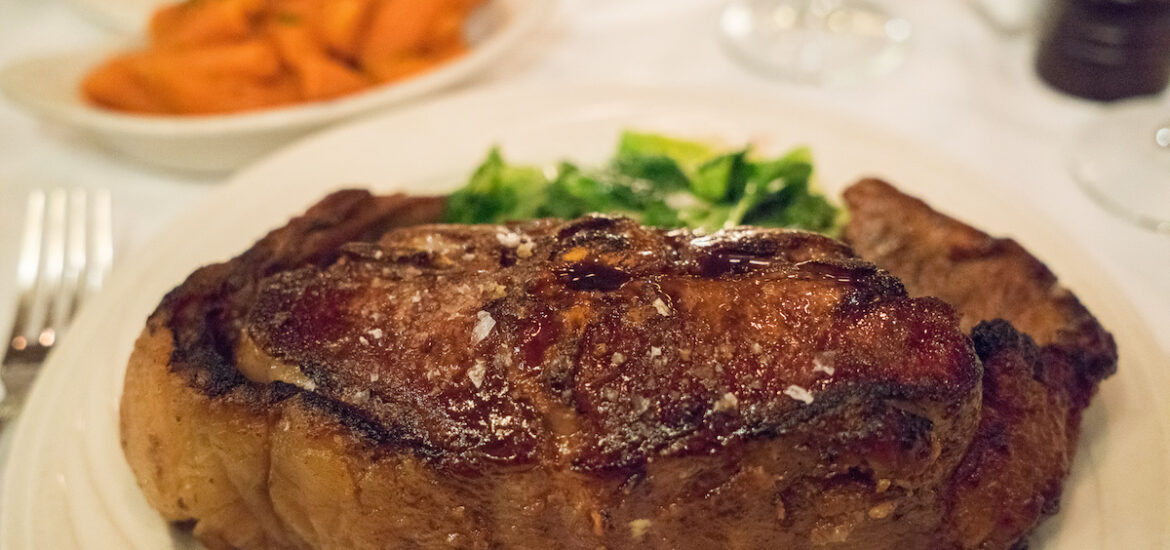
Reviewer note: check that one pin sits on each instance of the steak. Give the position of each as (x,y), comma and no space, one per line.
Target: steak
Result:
(356,380)
(365,378)
(1043,355)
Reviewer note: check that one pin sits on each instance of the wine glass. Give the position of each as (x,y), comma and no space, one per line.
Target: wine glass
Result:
(820,42)
(1122,161)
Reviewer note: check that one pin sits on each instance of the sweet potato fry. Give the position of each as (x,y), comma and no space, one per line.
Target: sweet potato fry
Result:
(400,26)
(219,79)
(319,76)
(255,58)
(116,85)
(188,90)
(201,22)
(217,56)
(397,68)
(342,26)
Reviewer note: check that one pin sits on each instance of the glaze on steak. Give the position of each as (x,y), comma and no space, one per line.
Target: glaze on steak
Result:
(580,384)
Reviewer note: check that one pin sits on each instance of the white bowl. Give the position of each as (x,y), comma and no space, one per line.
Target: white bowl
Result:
(50,87)
(121,16)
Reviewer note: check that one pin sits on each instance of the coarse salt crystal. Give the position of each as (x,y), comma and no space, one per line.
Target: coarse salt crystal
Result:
(508,239)
(818,366)
(655,351)
(663,309)
(525,249)
(726,403)
(617,359)
(483,327)
(476,373)
(639,527)
(374,377)
(363,340)
(376,333)
(882,510)
(798,393)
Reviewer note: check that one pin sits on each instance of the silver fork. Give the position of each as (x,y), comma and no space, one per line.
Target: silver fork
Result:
(66,250)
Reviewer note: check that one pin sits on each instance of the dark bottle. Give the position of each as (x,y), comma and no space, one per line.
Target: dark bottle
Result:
(1106,49)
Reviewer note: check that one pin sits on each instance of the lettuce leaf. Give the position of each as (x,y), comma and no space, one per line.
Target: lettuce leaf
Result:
(658,180)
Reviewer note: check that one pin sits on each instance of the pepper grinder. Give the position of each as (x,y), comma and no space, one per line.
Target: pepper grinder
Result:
(1106,50)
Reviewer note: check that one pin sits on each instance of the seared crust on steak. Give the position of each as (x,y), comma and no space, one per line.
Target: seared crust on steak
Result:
(1043,354)
(580,384)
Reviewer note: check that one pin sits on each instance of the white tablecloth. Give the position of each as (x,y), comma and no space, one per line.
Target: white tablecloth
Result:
(965,89)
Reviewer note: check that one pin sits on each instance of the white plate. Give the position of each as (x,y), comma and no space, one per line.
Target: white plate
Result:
(49,86)
(68,487)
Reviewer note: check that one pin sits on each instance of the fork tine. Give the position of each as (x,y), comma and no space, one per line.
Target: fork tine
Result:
(30,249)
(27,268)
(102,230)
(44,320)
(61,261)
(75,256)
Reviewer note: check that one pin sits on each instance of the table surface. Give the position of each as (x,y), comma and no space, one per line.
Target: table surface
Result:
(966,89)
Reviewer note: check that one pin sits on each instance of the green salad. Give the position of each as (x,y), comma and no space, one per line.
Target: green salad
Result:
(658,180)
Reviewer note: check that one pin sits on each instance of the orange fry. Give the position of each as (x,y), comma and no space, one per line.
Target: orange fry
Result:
(400,26)
(319,76)
(342,25)
(219,56)
(201,22)
(116,85)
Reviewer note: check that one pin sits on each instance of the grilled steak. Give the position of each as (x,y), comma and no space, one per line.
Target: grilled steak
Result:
(1035,385)
(362,379)
(582,384)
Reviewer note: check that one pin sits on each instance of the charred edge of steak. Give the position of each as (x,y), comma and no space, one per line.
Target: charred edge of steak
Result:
(1011,475)
(205,311)
(936,255)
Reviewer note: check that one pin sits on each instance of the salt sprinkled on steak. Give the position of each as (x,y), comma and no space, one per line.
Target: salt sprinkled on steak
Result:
(476,373)
(726,403)
(798,393)
(483,327)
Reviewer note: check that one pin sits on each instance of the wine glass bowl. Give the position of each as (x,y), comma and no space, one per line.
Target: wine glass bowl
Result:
(819,42)
(1122,161)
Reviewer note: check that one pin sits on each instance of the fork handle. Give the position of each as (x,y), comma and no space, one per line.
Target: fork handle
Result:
(18,379)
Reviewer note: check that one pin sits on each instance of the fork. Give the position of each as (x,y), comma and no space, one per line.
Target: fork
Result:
(66,251)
